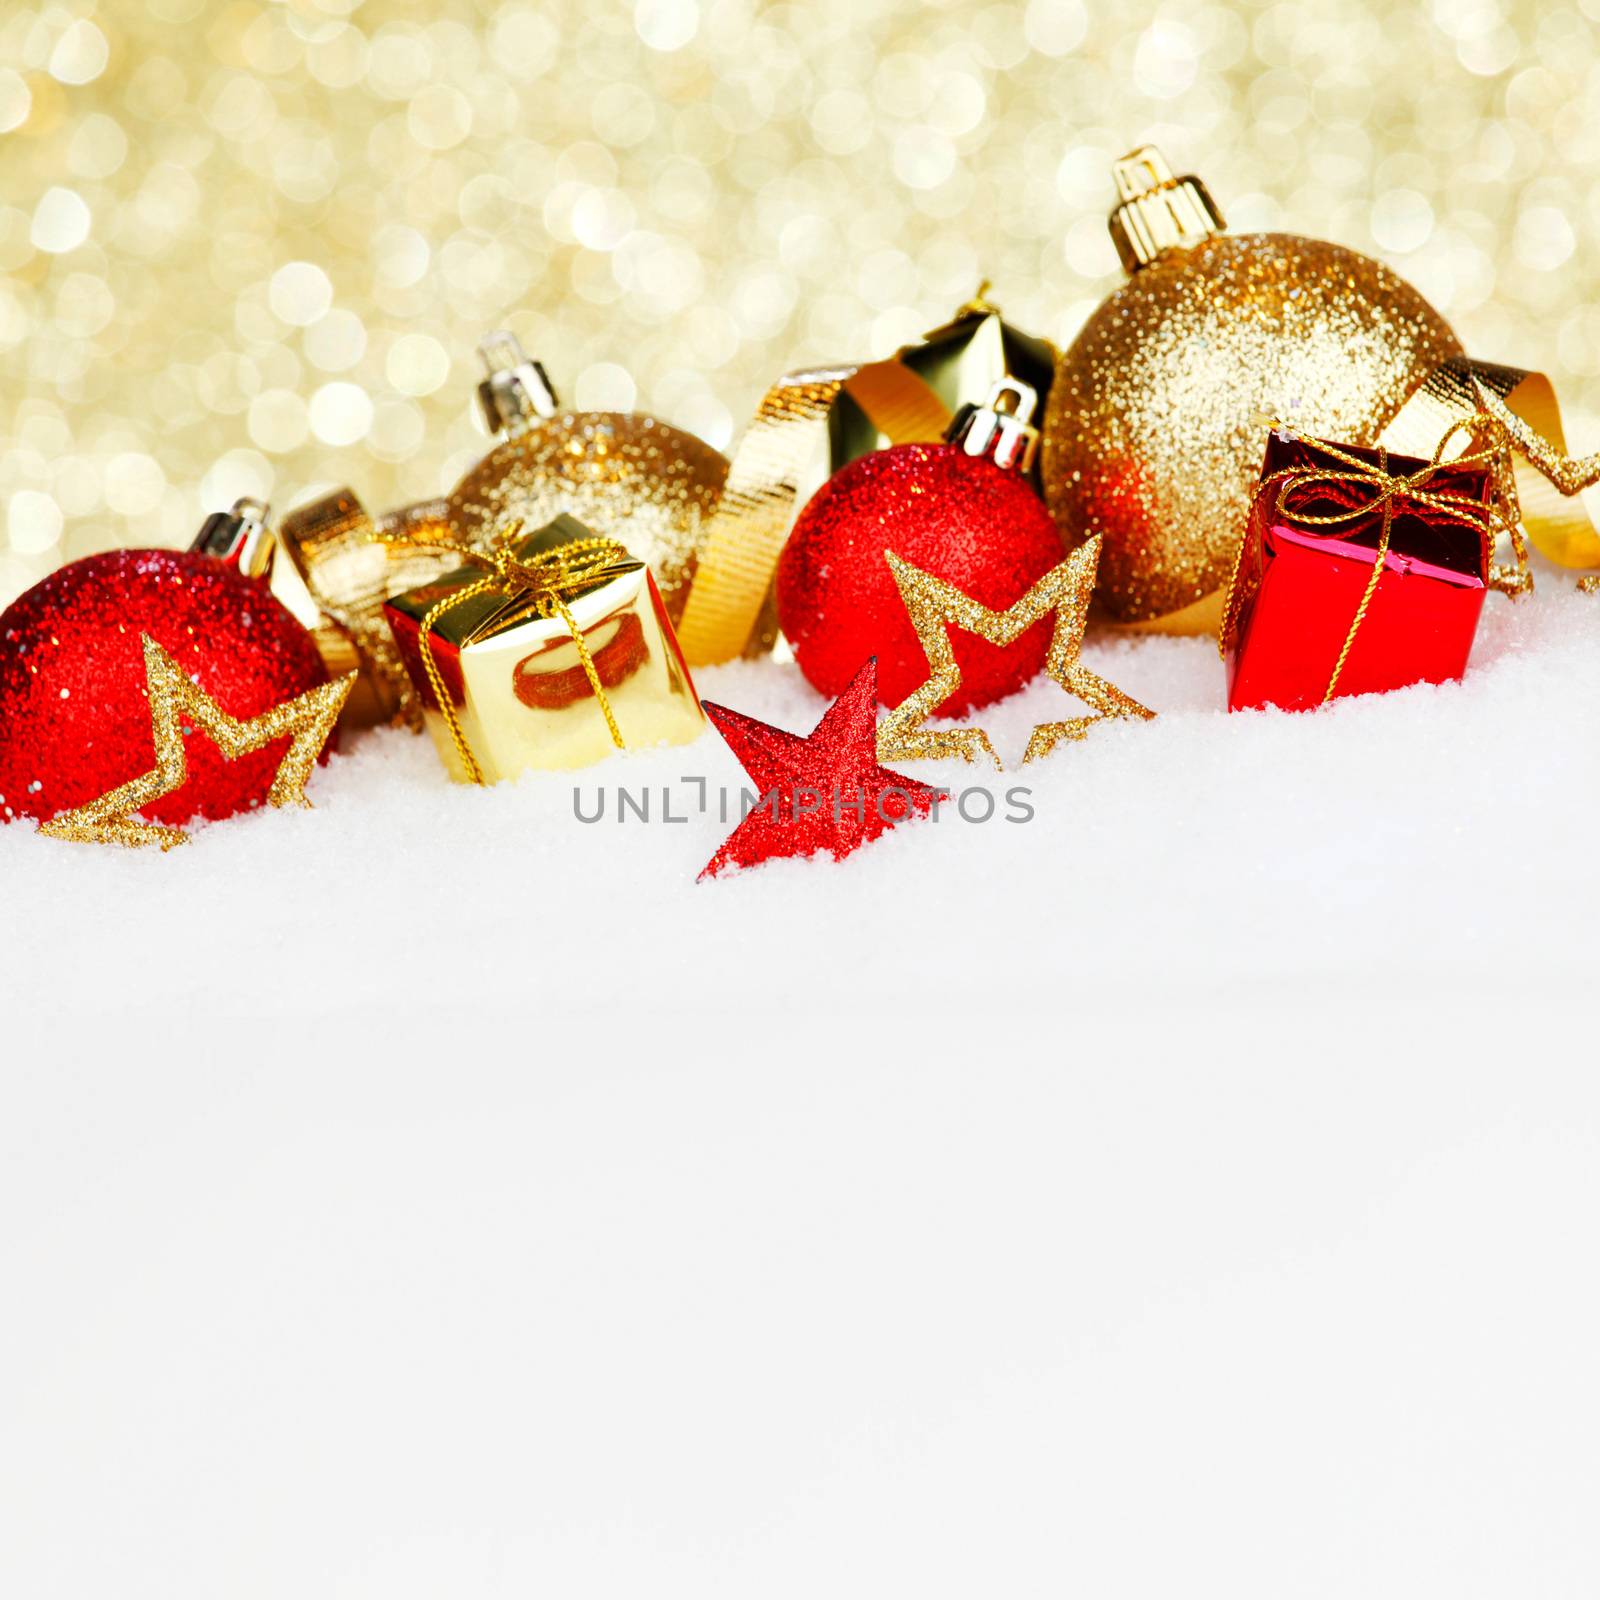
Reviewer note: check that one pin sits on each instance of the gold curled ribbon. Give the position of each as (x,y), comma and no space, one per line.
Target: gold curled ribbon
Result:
(330,543)
(1391,492)
(1525,405)
(540,584)
(745,534)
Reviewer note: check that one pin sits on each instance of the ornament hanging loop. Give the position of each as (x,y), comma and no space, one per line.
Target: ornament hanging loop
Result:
(1001,429)
(1158,211)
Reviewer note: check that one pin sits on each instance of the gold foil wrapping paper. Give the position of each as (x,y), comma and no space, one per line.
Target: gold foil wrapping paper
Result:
(517,681)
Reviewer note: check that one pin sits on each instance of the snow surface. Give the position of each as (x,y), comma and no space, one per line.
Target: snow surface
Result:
(1190,1191)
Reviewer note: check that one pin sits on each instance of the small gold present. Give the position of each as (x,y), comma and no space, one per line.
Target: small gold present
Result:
(549,651)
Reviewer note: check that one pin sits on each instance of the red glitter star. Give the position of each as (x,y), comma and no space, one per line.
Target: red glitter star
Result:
(822,792)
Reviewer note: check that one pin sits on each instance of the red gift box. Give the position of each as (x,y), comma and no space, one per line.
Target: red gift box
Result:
(1309,549)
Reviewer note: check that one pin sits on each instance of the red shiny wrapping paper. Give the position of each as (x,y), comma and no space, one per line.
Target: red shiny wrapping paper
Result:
(1300,585)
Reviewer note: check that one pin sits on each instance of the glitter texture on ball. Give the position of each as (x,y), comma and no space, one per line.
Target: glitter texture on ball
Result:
(963,519)
(74,715)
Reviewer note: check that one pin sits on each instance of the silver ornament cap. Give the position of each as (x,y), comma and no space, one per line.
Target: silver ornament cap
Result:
(1001,429)
(516,392)
(240,538)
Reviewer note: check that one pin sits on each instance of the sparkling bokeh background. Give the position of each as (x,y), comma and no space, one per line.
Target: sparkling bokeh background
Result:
(249,247)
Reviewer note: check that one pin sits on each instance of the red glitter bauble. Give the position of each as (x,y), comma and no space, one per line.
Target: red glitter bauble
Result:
(74,717)
(962,518)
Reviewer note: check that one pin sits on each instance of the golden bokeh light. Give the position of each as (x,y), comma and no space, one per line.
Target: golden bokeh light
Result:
(249,247)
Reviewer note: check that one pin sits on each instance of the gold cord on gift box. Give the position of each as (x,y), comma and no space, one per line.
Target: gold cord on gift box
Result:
(1547,478)
(546,581)
(1502,515)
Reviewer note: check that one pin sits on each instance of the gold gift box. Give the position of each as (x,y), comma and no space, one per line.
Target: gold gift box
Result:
(516,679)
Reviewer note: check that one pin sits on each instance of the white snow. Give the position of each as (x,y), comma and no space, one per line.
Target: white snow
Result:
(1191,1191)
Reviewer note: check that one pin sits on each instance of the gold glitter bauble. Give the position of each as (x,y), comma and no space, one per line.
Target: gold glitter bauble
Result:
(649,486)
(1154,432)
(646,484)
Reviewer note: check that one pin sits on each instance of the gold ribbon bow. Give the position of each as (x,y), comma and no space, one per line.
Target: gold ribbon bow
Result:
(1547,478)
(1393,492)
(538,585)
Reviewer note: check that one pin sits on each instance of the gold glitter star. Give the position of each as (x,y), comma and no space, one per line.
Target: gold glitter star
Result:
(933,604)
(309,717)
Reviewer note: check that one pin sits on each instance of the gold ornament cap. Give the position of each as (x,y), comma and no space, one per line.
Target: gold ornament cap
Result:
(517,391)
(240,538)
(1001,429)
(1158,212)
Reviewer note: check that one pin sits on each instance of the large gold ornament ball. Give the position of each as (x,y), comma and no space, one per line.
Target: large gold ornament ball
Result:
(638,480)
(1153,436)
